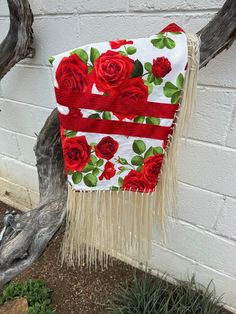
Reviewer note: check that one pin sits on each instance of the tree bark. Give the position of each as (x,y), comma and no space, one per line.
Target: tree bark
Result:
(28,234)
(17,44)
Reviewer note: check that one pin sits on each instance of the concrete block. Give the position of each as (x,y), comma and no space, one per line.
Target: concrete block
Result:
(31,85)
(212,115)
(22,118)
(226,225)
(197,206)
(175,5)
(26,145)
(208,166)
(9,145)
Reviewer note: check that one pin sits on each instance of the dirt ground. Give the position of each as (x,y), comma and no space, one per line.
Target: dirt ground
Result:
(75,291)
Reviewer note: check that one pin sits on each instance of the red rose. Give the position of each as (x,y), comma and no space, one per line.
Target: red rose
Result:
(72,74)
(135,91)
(76,152)
(106,148)
(112,70)
(108,172)
(172,28)
(115,44)
(161,67)
(75,113)
(136,182)
(151,168)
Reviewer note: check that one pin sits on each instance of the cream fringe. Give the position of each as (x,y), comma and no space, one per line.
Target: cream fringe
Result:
(166,188)
(107,223)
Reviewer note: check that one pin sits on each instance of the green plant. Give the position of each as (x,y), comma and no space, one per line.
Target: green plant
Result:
(149,295)
(36,293)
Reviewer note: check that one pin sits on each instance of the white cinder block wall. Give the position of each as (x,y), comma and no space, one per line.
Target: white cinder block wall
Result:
(203,238)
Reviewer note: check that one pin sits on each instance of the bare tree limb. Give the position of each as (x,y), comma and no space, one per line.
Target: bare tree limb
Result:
(28,235)
(219,33)
(17,44)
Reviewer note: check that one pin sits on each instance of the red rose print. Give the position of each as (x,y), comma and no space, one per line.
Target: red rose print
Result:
(106,148)
(151,168)
(76,153)
(135,91)
(136,182)
(115,44)
(172,28)
(75,113)
(112,70)
(72,74)
(108,172)
(161,67)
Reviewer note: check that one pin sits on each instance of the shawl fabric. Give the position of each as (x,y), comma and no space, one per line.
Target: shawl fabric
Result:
(117,101)
(122,107)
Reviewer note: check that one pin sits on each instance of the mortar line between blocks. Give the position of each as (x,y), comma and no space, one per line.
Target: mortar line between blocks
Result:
(194,261)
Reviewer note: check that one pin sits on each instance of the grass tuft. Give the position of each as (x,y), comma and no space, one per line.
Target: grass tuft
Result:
(154,295)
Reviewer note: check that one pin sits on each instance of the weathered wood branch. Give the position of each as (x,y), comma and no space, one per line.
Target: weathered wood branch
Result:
(28,235)
(17,44)
(219,33)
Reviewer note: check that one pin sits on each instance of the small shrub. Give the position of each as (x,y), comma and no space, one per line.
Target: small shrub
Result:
(153,295)
(36,293)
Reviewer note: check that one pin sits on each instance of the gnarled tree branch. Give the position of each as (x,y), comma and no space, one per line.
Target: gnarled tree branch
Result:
(17,44)
(28,235)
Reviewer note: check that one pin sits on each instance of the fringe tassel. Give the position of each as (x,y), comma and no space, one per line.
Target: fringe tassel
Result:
(108,223)
(166,187)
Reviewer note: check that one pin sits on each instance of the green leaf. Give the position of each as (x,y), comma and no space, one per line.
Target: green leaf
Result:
(77,177)
(68,133)
(51,59)
(120,181)
(137,69)
(149,86)
(157,150)
(175,97)
(139,119)
(169,43)
(131,50)
(70,172)
(139,168)
(169,89)
(93,160)
(137,161)
(175,33)
(94,54)
(115,188)
(149,152)
(94,116)
(81,53)
(152,120)
(90,180)
(123,53)
(95,171)
(148,66)
(122,161)
(123,169)
(106,115)
(160,35)
(93,144)
(180,81)
(158,43)
(90,68)
(150,78)
(88,168)
(100,162)
(158,80)
(139,147)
